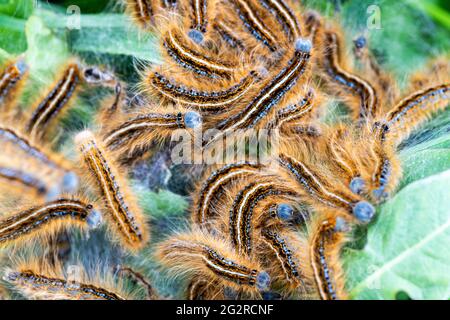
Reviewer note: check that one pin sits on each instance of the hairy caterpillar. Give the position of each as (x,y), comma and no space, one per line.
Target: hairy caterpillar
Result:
(123,213)
(41,281)
(270,95)
(206,101)
(367,103)
(242,221)
(422,104)
(46,219)
(127,133)
(19,153)
(214,184)
(12,78)
(254,24)
(54,101)
(199,254)
(290,253)
(194,58)
(315,185)
(325,244)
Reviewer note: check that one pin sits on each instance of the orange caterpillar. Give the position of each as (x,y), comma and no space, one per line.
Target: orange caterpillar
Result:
(362,97)
(45,282)
(272,92)
(201,100)
(46,219)
(285,255)
(12,78)
(133,132)
(54,102)
(244,216)
(199,255)
(322,189)
(204,289)
(180,54)
(25,158)
(209,192)
(123,213)
(327,237)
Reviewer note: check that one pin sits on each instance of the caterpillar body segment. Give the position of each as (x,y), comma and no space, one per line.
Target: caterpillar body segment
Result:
(199,254)
(124,216)
(326,239)
(46,219)
(41,281)
(12,79)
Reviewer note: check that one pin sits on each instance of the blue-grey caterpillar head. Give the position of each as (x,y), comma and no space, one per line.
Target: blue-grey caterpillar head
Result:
(360,42)
(192,120)
(263,281)
(303,45)
(363,211)
(196,36)
(357,185)
(284,211)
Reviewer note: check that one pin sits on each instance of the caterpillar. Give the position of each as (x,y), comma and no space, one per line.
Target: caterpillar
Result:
(254,24)
(54,102)
(290,253)
(315,186)
(142,130)
(214,184)
(195,59)
(205,101)
(34,152)
(41,281)
(285,16)
(367,105)
(325,244)
(270,95)
(12,78)
(199,254)
(242,221)
(422,104)
(123,213)
(46,218)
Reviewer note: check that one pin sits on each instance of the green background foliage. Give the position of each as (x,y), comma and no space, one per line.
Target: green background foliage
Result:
(404,253)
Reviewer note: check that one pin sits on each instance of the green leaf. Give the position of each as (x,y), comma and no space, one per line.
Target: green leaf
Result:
(12,34)
(161,204)
(106,34)
(46,52)
(423,164)
(407,247)
(20,9)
